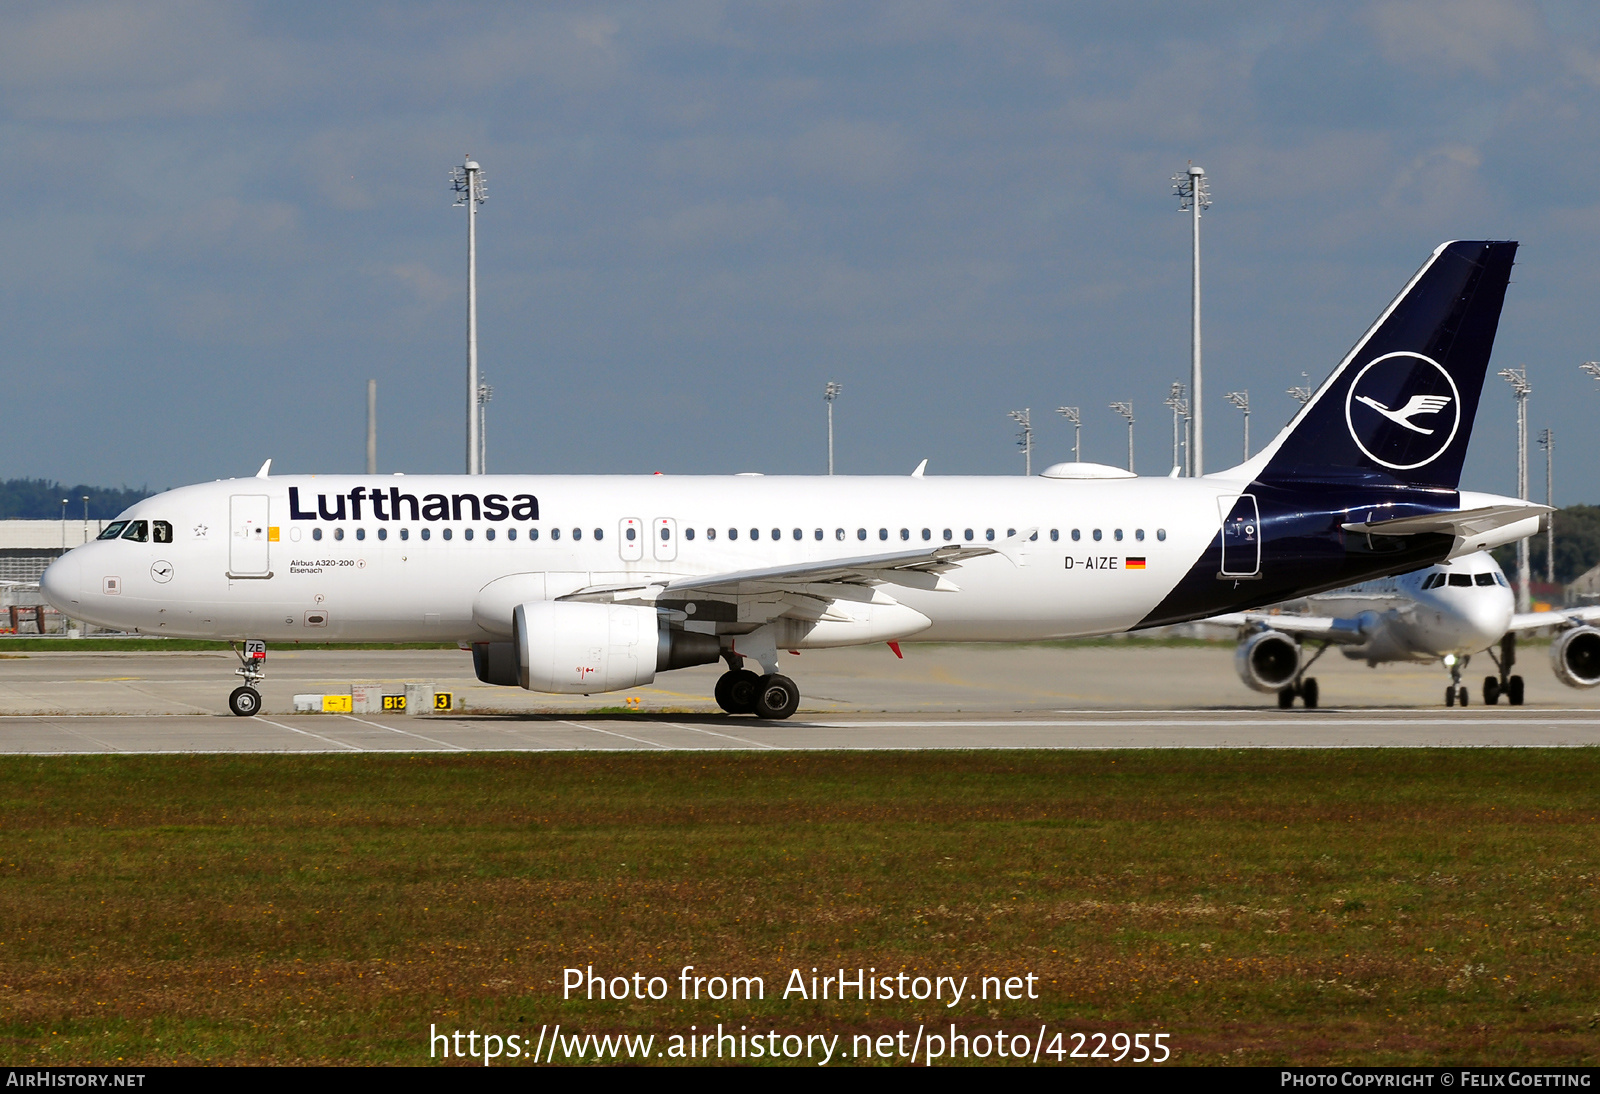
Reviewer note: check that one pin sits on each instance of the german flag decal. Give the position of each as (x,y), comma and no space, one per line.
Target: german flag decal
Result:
(1133,564)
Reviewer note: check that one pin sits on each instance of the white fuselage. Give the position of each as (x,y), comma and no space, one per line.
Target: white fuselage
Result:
(240,564)
(1457,607)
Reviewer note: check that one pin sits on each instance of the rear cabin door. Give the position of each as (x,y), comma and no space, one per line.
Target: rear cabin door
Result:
(1241,536)
(247,536)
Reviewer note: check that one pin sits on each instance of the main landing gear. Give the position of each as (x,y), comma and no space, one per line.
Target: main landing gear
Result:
(1509,686)
(246,701)
(1304,687)
(740,691)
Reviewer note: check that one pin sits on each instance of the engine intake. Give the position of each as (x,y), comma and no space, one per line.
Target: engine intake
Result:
(576,648)
(1267,661)
(1575,657)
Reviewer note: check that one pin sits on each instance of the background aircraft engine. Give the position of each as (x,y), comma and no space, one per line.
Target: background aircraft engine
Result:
(1575,656)
(576,648)
(1267,661)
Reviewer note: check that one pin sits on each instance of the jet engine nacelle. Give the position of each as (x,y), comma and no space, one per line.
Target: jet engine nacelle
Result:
(1267,661)
(578,648)
(1575,656)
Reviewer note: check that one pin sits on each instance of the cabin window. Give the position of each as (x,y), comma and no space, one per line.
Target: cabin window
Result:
(816,534)
(511,533)
(577,533)
(383,533)
(948,535)
(1138,534)
(799,535)
(316,533)
(1161,534)
(138,531)
(361,533)
(905,533)
(488,533)
(838,534)
(448,533)
(688,533)
(1097,535)
(927,533)
(777,534)
(427,533)
(967,535)
(631,534)
(883,533)
(1055,535)
(338,533)
(1117,535)
(711,533)
(861,533)
(1076,535)
(666,534)
(599,533)
(533,533)
(405,533)
(1011,533)
(733,533)
(755,534)
(988,534)
(160,532)
(467,533)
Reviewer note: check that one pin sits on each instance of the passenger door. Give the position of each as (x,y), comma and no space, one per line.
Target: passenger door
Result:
(248,551)
(1241,536)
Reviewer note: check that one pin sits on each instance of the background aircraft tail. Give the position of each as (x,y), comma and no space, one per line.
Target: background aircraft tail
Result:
(1399,408)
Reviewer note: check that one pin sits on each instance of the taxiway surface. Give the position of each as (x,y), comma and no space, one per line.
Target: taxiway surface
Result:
(1106,696)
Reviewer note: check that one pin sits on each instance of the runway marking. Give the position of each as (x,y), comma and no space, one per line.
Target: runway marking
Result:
(406,732)
(725,736)
(609,733)
(308,733)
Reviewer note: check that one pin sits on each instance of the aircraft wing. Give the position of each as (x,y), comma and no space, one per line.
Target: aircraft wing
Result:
(919,569)
(1568,617)
(1319,628)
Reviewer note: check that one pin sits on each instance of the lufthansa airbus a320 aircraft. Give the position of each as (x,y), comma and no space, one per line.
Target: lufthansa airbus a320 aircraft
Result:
(593,584)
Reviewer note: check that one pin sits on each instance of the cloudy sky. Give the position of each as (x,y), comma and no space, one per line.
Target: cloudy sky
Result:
(223,218)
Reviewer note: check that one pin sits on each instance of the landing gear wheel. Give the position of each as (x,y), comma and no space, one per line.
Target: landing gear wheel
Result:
(1285,698)
(1514,690)
(736,691)
(244,702)
(776,697)
(1491,691)
(1308,692)
(1461,695)
(1449,697)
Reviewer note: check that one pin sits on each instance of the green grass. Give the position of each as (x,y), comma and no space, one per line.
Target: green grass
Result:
(1262,907)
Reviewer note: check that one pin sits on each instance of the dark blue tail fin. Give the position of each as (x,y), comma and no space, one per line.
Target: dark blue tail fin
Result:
(1400,406)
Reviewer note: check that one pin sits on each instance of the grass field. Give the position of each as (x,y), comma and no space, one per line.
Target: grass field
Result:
(1260,907)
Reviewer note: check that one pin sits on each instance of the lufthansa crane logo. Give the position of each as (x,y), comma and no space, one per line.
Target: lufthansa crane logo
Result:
(1403,410)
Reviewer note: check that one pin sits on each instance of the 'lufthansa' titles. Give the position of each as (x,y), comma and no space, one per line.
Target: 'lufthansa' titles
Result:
(391,504)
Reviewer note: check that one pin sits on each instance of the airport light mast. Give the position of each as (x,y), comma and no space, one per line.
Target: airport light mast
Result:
(1518,379)
(1547,441)
(1126,410)
(1194,195)
(485,393)
(1241,399)
(468,182)
(829,394)
(1025,438)
(1070,413)
(1180,412)
(1301,394)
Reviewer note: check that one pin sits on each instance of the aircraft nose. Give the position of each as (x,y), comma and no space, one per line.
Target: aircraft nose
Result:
(62,583)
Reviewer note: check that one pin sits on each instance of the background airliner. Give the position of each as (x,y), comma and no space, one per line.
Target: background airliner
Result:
(592,584)
(1442,613)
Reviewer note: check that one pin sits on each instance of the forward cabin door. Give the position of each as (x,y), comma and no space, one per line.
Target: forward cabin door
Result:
(248,551)
(1241,536)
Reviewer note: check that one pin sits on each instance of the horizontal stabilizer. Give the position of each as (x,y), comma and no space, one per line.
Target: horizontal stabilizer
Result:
(1464,523)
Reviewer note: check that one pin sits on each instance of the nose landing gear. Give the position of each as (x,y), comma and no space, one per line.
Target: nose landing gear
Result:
(246,701)
(1456,692)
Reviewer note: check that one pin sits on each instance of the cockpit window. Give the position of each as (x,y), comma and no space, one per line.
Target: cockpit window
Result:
(160,531)
(1500,579)
(1460,579)
(138,530)
(113,530)
(1484,579)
